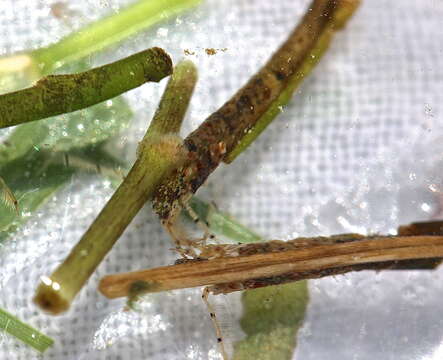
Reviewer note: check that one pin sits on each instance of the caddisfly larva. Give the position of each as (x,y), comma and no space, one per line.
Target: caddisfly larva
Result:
(198,250)
(224,269)
(209,252)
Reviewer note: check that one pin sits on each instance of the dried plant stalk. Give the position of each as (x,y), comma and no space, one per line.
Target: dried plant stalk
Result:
(241,272)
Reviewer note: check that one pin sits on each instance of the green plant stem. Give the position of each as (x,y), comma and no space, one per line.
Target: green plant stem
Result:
(344,11)
(174,102)
(56,292)
(108,31)
(92,38)
(24,332)
(58,94)
(159,153)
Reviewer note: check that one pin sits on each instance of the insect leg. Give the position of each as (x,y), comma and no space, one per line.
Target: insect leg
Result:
(205,295)
(204,225)
(183,245)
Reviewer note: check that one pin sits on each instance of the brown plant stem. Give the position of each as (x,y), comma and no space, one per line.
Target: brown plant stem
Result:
(345,10)
(228,274)
(219,134)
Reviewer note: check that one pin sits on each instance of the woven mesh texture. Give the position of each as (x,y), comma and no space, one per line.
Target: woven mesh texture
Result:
(359,148)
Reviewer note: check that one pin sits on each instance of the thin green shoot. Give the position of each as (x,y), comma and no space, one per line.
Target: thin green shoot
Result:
(24,332)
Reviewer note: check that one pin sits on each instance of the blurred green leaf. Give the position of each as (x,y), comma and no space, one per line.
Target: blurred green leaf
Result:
(32,178)
(66,132)
(271,318)
(85,127)
(36,176)
(21,140)
(32,158)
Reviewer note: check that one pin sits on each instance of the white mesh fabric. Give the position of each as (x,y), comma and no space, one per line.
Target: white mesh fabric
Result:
(358,149)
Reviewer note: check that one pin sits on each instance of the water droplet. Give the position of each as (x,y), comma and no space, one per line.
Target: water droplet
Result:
(56,286)
(433,188)
(340,200)
(46,280)
(405,339)
(162,32)
(392,231)
(425,207)
(98,304)
(428,110)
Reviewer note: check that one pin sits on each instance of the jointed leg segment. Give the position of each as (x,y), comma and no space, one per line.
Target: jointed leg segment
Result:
(205,295)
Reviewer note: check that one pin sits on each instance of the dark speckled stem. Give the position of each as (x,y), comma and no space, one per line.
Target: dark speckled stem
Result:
(221,132)
(58,94)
